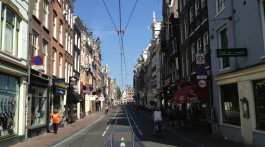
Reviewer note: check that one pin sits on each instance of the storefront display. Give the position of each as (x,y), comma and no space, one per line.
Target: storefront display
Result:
(38,106)
(8,103)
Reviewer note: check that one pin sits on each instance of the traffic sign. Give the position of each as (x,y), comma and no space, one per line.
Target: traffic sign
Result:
(200,59)
(201,70)
(36,67)
(202,83)
(37,60)
(202,77)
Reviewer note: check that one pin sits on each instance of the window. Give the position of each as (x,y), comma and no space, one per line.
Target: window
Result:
(193,52)
(186,29)
(9,31)
(61,32)
(197,7)
(192,14)
(38,106)
(66,72)
(36,8)
(9,90)
(187,62)
(54,61)
(45,13)
(60,65)
(71,46)
(199,46)
(44,54)
(224,45)
(203,3)
(259,96)
(54,24)
(206,43)
(75,60)
(220,5)
(76,38)
(34,42)
(230,104)
(66,41)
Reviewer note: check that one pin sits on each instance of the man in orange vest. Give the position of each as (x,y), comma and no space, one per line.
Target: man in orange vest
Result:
(56,117)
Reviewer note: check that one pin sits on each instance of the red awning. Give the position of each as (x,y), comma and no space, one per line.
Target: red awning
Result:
(191,94)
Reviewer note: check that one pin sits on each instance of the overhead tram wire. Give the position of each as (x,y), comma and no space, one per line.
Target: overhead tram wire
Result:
(120,33)
(121,47)
(131,14)
(123,38)
(110,15)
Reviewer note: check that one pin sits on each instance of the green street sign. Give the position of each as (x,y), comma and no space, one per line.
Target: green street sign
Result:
(233,52)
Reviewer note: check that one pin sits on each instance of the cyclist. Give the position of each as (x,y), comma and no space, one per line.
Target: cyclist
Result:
(157,116)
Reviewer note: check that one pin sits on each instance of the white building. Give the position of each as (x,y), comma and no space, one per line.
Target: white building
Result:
(13,69)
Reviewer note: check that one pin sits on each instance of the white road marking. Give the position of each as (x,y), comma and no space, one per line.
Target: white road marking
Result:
(104,133)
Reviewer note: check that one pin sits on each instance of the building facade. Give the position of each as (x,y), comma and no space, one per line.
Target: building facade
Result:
(14,69)
(238,78)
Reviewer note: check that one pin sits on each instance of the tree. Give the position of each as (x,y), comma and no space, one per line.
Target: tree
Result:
(118,93)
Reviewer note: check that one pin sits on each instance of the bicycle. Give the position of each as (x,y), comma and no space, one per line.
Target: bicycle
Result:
(158,128)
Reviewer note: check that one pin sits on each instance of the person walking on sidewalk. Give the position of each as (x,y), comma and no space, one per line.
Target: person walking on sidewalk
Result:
(106,109)
(56,117)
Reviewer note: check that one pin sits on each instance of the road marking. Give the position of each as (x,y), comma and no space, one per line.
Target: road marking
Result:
(107,128)
(68,138)
(104,133)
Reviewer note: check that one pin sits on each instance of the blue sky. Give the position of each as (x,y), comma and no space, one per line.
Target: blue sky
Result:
(136,37)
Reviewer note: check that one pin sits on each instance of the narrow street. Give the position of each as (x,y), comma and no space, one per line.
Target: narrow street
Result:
(123,126)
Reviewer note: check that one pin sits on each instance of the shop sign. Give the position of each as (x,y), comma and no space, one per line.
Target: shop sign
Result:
(59,90)
(72,80)
(59,82)
(233,52)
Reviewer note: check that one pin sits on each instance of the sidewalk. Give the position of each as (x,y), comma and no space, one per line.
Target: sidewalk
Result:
(49,139)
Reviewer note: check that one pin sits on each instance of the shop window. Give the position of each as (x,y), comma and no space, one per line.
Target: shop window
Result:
(38,106)
(230,104)
(259,94)
(9,91)
(224,45)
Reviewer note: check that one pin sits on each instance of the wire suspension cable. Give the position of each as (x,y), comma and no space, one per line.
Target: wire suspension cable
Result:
(131,14)
(110,15)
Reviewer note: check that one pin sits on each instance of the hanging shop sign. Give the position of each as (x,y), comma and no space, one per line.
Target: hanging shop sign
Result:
(233,52)
(72,80)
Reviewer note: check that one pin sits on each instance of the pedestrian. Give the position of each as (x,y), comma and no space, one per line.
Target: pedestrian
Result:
(106,109)
(56,118)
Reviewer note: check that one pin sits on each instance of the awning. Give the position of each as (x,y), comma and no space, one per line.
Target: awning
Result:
(73,97)
(191,94)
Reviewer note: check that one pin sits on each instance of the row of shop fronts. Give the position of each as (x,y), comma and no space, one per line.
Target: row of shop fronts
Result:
(25,109)
(234,101)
